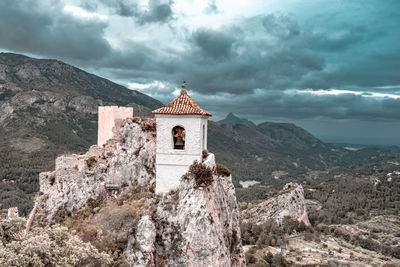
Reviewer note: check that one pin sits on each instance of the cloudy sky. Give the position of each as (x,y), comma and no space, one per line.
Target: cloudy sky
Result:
(330,66)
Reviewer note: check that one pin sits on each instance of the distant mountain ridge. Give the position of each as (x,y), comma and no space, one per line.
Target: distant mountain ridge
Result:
(48,108)
(231,118)
(270,150)
(21,73)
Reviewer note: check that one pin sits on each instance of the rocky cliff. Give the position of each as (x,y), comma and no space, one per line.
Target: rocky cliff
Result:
(289,201)
(106,197)
(127,161)
(48,108)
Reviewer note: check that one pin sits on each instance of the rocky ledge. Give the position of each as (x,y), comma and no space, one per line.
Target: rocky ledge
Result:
(289,201)
(106,197)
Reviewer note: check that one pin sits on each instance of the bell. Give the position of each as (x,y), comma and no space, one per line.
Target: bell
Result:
(179,141)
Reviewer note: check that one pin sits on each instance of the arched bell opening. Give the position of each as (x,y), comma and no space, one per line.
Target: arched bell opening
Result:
(178,135)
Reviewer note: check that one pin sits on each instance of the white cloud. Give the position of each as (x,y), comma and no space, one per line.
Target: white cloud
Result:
(388,87)
(142,86)
(336,92)
(328,92)
(381,95)
(82,14)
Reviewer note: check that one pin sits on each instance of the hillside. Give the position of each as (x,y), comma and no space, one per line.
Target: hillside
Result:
(354,222)
(196,224)
(48,108)
(277,153)
(270,151)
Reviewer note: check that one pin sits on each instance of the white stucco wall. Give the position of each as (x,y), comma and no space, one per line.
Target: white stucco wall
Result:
(172,163)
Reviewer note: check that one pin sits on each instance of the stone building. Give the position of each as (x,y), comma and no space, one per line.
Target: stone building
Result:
(108,116)
(181,138)
(12,212)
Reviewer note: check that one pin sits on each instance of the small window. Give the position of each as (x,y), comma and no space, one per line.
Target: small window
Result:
(178,135)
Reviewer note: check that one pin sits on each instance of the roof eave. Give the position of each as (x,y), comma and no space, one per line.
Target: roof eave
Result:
(170,113)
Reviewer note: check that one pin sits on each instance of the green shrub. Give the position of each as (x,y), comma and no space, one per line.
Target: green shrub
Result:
(235,240)
(222,170)
(269,257)
(279,260)
(91,161)
(308,236)
(52,179)
(252,250)
(250,258)
(51,246)
(202,174)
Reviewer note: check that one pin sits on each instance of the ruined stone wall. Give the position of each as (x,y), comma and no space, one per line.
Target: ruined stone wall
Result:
(107,118)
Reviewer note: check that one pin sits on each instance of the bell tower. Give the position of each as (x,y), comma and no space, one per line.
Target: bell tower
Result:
(181,138)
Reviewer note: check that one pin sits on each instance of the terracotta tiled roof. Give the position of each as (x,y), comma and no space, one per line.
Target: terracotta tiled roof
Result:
(182,105)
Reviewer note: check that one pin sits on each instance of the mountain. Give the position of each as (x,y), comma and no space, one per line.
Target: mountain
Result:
(231,118)
(196,224)
(20,73)
(270,151)
(48,108)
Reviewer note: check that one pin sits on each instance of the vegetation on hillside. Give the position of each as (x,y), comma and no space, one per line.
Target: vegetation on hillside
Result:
(49,108)
(48,246)
(358,206)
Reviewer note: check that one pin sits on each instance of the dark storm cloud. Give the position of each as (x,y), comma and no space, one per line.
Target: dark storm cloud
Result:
(375,69)
(213,44)
(282,104)
(246,66)
(124,8)
(348,37)
(159,11)
(49,32)
(237,61)
(283,26)
(233,60)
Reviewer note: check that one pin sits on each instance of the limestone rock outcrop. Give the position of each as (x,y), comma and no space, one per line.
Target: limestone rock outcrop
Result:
(199,226)
(126,161)
(290,201)
(191,226)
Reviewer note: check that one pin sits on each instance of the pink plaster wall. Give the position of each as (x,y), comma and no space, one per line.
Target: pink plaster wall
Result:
(107,117)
